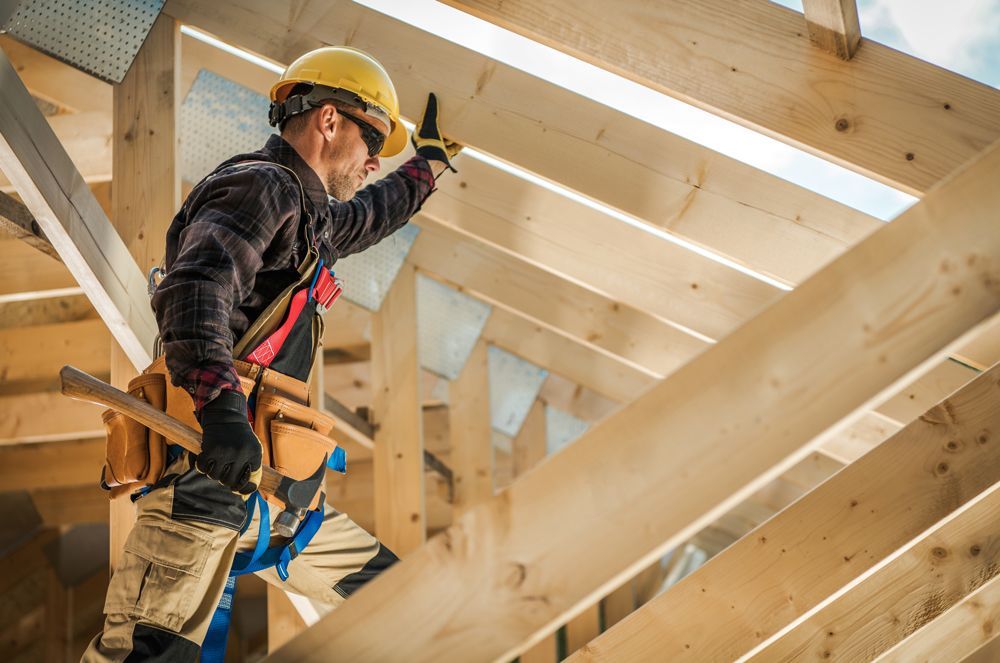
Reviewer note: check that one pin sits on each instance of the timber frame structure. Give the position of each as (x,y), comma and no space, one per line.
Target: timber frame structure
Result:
(821,466)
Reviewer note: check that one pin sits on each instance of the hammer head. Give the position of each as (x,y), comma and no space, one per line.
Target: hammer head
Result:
(297,496)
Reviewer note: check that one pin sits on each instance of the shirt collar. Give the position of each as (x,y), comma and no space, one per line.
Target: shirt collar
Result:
(282,152)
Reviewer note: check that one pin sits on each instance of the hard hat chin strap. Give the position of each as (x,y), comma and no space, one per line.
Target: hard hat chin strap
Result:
(300,103)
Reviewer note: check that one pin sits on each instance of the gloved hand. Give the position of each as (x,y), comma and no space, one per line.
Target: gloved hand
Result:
(230,452)
(428,140)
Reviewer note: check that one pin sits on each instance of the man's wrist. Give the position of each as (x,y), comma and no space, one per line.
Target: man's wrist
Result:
(437,167)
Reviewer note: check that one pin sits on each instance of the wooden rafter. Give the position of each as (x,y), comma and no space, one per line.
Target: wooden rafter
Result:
(857,518)
(912,301)
(885,114)
(935,571)
(833,26)
(785,231)
(957,633)
(70,217)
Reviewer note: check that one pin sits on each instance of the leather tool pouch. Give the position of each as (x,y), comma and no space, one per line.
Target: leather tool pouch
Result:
(135,455)
(294,435)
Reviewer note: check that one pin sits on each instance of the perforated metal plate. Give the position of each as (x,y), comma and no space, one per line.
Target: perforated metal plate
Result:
(448,324)
(514,385)
(368,275)
(219,118)
(101,37)
(561,428)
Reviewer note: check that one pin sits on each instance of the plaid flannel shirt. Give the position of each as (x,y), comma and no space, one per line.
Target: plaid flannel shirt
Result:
(237,243)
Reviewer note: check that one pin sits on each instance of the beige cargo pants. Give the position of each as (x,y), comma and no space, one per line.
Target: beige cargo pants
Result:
(171,576)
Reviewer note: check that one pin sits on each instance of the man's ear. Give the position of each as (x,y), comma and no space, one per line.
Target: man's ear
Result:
(328,121)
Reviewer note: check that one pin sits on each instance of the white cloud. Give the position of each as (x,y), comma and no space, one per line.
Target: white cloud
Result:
(945,33)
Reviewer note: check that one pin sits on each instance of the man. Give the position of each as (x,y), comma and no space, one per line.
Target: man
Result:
(237,243)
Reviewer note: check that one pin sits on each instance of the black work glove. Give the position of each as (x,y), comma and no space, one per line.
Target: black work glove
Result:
(428,140)
(230,452)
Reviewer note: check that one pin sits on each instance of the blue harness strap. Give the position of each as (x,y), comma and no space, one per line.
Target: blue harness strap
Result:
(213,648)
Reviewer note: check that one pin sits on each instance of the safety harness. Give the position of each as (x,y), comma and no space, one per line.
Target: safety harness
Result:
(280,349)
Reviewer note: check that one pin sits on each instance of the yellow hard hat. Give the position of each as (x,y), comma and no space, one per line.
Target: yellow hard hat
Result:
(348,75)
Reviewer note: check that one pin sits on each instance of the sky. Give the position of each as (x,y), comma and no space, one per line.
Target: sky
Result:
(962,35)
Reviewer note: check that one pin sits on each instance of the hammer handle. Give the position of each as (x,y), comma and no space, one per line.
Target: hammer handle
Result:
(85,387)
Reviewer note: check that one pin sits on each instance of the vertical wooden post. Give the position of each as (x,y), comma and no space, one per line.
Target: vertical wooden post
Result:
(471,441)
(400,514)
(145,192)
(283,620)
(58,620)
(529,449)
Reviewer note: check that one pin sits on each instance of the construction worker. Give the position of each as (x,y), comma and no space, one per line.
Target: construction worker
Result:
(240,240)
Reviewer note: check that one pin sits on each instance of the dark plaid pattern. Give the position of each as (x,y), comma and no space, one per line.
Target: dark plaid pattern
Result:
(237,242)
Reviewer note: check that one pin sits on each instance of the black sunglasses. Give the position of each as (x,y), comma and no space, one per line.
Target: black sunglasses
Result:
(374,139)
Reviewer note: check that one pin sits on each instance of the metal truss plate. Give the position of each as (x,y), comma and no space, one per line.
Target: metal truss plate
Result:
(100,37)
(368,275)
(448,325)
(514,385)
(561,428)
(219,118)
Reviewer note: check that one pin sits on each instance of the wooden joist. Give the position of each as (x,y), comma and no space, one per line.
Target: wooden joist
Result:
(834,26)
(47,416)
(957,633)
(862,323)
(886,114)
(51,464)
(23,269)
(856,519)
(934,572)
(30,357)
(505,279)
(785,231)
(594,249)
(86,138)
(16,221)
(70,217)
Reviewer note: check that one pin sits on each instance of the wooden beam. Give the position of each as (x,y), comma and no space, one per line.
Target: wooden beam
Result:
(30,357)
(785,231)
(505,279)
(146,193)
(912,301)
(45,311)
(529,449)
(469,425)
(46,416)
(23,269)
(600,371)
(16,220)
(55,81)
(52,189)
(283,620)
(51,464)
(72,505)
(605,254)
(885,114)
(86,137)
(834,26)
(400,518)
(934,571)
(965,627)
(764,582)
(147,190)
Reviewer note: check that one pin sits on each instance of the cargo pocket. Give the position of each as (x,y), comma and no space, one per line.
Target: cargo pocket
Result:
(159,578)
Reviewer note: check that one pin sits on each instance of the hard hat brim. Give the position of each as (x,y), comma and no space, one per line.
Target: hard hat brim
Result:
(395,141)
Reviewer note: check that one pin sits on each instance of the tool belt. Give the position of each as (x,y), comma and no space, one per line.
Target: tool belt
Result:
(293,435)
(281,343)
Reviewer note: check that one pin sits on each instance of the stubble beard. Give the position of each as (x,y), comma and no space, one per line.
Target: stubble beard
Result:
(340,186)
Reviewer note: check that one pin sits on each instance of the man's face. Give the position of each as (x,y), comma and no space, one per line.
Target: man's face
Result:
(348,156)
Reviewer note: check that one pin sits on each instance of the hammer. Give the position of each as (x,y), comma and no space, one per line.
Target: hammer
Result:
(296,495)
